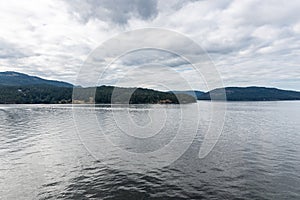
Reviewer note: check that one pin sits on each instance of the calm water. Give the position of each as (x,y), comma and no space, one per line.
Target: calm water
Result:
(42,156)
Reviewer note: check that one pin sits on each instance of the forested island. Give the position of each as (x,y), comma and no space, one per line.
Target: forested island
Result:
(18,88)
(46,94)
(251,94)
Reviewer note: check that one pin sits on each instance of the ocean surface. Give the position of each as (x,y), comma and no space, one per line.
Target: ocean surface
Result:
(113,152)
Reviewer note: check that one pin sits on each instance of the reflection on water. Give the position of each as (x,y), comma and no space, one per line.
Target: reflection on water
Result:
(257,156)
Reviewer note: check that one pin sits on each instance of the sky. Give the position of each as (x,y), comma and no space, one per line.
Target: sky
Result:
(249,42)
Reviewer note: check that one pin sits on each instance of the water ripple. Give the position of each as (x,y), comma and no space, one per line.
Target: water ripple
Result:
(257,157)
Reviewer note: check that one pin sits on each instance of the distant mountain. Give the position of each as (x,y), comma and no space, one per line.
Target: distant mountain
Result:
(194,93)
(253,94)
(21,88)
(18,79)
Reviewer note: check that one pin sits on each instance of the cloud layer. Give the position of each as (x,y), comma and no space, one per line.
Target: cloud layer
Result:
(251,42)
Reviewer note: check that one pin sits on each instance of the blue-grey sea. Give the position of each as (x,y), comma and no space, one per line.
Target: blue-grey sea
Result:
(43,154)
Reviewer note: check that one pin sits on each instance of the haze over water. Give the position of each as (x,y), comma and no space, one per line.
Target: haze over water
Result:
(256,157)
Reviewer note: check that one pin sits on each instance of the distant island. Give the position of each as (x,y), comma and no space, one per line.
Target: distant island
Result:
(252,94)
(19,88)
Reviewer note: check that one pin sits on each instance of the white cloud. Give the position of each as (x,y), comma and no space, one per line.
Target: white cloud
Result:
(251,42)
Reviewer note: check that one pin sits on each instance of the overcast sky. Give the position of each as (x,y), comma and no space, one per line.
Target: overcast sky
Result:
(250,42)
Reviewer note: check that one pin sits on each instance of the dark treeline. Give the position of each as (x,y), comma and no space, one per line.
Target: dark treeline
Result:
(251,94)
(117,95)
(21,88)
(35,94)
(47,94)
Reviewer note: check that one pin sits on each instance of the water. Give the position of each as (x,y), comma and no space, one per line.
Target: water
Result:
(256,157)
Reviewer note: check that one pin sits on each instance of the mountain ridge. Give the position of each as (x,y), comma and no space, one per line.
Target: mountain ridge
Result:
(251,93)
(11,78)
(19,87)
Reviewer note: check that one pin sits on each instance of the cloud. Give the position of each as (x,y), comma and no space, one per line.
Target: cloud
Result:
(12,51)
(251,42)
(115,11)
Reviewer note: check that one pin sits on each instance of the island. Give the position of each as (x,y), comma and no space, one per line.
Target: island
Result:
(252,93)
(19,88)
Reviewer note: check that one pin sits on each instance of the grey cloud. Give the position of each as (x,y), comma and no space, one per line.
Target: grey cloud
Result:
(259,13)
(146,56)
(12,51)
(116,11)
(251,42)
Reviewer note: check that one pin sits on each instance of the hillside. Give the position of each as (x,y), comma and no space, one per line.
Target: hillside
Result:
(48,94)
(19,79)
(194,93)
(35,94)
(254,94)
(21,88)
(120,95)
